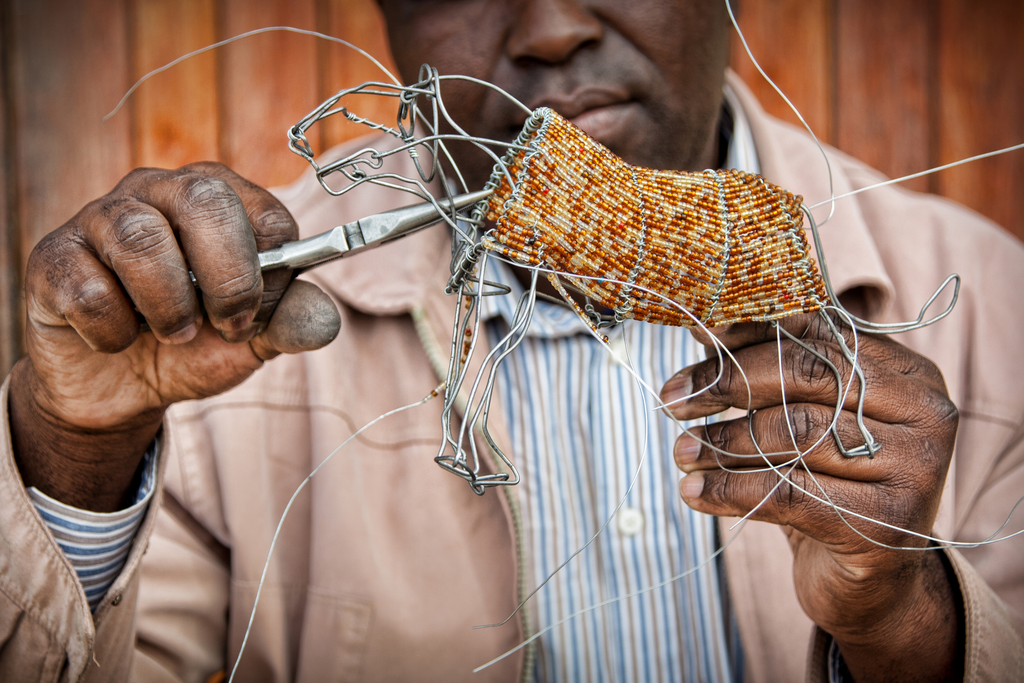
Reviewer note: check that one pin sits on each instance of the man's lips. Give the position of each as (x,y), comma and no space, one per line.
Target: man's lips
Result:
(602,113)
(605,124)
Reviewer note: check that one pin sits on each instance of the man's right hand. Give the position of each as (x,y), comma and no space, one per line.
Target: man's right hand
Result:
(90,397)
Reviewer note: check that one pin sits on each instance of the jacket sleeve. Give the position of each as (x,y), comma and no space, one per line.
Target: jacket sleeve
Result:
(47,632)
(172,630)
(991,576)
(992,646)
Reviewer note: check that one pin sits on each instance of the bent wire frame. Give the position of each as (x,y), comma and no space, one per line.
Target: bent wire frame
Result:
(668,247)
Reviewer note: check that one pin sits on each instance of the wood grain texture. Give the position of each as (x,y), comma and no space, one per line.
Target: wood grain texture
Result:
(11,315)
(792,41)
(903,85)
(883,59)
(980,106)
(360,23)
(69,68)
(175,113)
(268,83)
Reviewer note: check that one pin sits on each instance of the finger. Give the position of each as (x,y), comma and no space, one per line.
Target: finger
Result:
(306,319)
(65,284)
(135,241)
(780,435)
(216,237)
(812,371)
(808,504)
(272,225)
(738,335)
(826,326)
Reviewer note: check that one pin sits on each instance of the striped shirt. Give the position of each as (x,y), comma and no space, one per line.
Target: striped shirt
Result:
(97,543)
(580,425)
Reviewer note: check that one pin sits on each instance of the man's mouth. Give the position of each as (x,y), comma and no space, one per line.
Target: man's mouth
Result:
(604,114)
(605,124)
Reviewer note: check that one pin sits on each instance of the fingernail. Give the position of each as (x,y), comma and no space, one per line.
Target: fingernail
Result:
(238,322)
(692,486)
(183,335)
(242,335)
(687,450)
(677,387)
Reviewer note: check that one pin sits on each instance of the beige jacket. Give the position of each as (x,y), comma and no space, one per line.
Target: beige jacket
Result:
(386,562)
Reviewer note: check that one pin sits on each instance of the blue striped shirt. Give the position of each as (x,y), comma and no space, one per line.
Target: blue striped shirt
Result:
(97,543)
(579,425)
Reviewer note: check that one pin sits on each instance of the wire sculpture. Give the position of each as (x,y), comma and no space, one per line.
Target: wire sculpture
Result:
(668,247)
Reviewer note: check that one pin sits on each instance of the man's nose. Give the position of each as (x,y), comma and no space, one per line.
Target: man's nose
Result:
(551,30)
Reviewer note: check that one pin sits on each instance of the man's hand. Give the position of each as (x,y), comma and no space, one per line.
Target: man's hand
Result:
(892,612)
(91,394)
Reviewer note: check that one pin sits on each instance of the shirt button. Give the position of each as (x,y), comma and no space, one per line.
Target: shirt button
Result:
(116,601)
(618,349)
(630,521)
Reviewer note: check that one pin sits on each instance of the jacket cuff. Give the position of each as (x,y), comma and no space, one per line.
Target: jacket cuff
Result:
(993,650)
(40,590)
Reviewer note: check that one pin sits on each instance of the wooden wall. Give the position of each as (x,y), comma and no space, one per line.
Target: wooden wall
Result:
(904,85)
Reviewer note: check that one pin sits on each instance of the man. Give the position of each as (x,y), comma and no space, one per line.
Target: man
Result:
(384,567)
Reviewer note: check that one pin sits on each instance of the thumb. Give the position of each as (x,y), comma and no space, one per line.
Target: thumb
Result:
(305,319)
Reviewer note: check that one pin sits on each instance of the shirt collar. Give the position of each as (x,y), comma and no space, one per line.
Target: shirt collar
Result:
(742,154)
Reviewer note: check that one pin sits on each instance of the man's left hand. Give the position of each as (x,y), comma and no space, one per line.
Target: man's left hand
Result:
(892,612)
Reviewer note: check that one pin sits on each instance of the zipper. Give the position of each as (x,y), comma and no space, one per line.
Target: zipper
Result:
(439,362)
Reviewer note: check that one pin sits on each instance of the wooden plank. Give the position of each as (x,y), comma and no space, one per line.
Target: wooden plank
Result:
(269,82)
(175,113)
(981,106)
(69,67)
(882,84)
(11,325)
(359,22)
(790,39)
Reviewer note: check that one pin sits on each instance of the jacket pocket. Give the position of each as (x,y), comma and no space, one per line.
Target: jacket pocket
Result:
(334,634)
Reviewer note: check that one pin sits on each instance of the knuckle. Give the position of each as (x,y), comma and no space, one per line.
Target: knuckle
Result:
(51,265)
(273,223)
(90,298)
(210,200)
(788,496)
(923,367)
(806,423)
(201,190)
(241,291)
(720,436)
(45,253)
(939,419)
(944,410)
(815,365)
(717,377)
(717,488)
(137,229)
(136,178)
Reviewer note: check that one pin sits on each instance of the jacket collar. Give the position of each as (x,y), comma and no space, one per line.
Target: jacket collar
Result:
(791,160)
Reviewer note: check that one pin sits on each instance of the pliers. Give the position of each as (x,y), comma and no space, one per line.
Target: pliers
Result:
(352,238)
(365,233)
